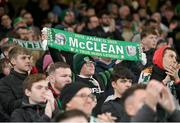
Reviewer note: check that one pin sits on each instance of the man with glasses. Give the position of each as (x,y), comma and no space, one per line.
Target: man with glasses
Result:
(79,96)
(121,80)
(84,69)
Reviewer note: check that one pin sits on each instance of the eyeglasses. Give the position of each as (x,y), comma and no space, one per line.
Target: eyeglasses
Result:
(84,96)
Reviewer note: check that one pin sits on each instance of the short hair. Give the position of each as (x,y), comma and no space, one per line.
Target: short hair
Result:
(31,79)
(3,63)
(17,50)
(57,65)
(148,31)
(89,18)
(122,72)
(169,8)
(60,116)
(7,46)
(170,48)
(103,12)
(161,41)
(130,91)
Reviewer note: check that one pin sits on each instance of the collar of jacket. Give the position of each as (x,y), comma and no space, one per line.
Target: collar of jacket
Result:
(19,75)
(159,71)
(26,104)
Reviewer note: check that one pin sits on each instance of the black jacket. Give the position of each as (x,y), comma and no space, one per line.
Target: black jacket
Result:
(115,107)
(100,95)
(149,56)
(11,91)
(30,113)
(146,114)
(3,116)
(158,74)
(99,32)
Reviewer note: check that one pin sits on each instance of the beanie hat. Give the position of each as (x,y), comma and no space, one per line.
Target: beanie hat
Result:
(69,91)
(158,57)
(46,61)
(17,20)
(63,14)
(79,60)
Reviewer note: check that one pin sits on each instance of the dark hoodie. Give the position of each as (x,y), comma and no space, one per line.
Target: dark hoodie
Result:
(30,113)
(158,73)
(101,67)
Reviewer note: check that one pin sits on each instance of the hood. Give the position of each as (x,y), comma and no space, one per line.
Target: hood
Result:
(26,104)
(158,57)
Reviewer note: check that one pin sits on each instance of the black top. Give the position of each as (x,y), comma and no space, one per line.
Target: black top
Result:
(11,91)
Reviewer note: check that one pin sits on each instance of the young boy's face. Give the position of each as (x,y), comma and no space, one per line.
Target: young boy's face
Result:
(22,63)
(37,93)
(150,41)
(6,69)
(121,85)
(169,59)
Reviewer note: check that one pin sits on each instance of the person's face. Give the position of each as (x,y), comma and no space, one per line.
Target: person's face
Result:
(88,69)
(135,102)
(94,21)
(69,17)
(62,76)
(7,69)
(23,33)
(124,11)
(83,100)
(106,20)
(150,41)
(6,21)
(121,85)
(30,35)
(91,12)
(21,63)
(154,25)
(142,13)
(156,16)
(169,14)
(36,94)
(169,58)
(114,9)
(28,19)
